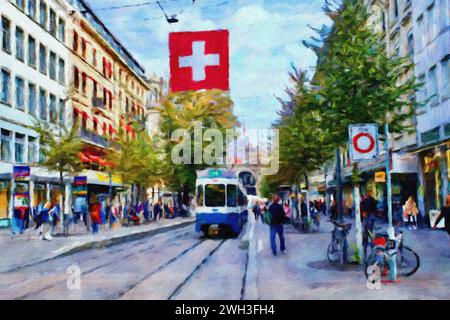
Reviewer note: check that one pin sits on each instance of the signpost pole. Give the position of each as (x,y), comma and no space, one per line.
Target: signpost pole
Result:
(391,231)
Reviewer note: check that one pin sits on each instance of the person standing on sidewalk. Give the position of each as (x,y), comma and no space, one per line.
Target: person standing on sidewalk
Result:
(277,218)
(445,214)
(410,212)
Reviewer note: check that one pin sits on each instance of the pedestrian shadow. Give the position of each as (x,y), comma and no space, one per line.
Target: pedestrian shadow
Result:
(328,266)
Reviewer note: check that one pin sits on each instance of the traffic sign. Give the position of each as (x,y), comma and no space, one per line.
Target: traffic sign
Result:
(363,142)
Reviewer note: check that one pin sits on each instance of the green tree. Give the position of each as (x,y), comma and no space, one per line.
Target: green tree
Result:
(213,109)
(60,147)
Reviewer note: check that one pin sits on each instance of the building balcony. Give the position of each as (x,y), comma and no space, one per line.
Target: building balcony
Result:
(94,138)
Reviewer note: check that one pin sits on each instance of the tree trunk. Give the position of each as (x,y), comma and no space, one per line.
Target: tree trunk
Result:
(307,196)
(62,199)
(186,194)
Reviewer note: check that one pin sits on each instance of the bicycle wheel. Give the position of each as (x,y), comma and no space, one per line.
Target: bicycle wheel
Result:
(333,252)
(408,262)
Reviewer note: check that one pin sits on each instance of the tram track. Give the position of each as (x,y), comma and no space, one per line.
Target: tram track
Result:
(104,265)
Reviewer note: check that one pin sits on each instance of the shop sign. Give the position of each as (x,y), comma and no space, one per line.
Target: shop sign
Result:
(21,173)
(79,187)
(380,177)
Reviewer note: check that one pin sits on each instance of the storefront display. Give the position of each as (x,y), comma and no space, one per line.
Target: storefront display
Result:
(5,193)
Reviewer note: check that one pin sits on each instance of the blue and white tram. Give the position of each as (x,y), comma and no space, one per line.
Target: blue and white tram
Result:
(221,202)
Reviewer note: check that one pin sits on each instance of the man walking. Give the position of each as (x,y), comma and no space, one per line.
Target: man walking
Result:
(276,225)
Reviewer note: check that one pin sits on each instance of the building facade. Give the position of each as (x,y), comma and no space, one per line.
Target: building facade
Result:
(34,74)
(60,64)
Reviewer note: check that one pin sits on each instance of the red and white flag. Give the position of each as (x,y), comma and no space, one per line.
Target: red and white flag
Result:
(199,60)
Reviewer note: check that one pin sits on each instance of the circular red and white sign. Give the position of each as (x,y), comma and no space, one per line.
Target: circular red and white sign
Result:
(363,143)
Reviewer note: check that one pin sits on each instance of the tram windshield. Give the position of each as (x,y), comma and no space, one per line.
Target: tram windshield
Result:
(215,195)
(232,195)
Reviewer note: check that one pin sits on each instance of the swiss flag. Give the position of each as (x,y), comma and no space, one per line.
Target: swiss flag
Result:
(199,60)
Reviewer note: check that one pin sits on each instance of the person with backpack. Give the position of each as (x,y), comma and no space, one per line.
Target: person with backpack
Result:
(277,218)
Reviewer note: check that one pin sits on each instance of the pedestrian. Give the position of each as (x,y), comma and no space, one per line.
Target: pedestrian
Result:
(147,211)
(277,218)
(287,210)
(304,214)
(368,212)
(44,222)
(334,210)
(410,213)
(256,211)
(96,219)
(157,210)
(445,214)
(54,213)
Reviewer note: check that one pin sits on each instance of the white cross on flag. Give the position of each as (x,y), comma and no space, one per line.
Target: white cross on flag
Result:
(199,60)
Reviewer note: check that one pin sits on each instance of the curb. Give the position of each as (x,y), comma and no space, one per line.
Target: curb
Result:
(102,243)
(251,273)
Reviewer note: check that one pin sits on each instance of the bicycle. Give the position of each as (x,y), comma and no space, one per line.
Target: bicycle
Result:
(337,249)
(407,260)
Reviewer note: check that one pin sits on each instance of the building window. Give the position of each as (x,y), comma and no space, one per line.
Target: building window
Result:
(83,48)
(432,77)
(423,91)
(42,59)
(20,94)
(32,150)
(94,57)
(32,99)
(32,9)
(421,28)
(395,8)
(62,30)
(76,78)
(446,76)
(410,43)
(42,104)
(6,145)
(52,27)
(43,14)
(431,21)
(20,4)
(83,83)
(62,111)
(19,44)
(31,52)
(52,66)
(53,111)
(62,67)
(75,41)
(6,35)
(5,86)
(19,148)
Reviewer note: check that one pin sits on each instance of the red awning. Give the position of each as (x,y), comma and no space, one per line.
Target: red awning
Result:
(83,157)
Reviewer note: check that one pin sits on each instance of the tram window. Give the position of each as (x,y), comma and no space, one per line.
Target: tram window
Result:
(241,198)
(200,196)
(215,195)
(231,195)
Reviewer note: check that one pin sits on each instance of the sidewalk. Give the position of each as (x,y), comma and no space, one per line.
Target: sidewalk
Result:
(305,273)
(27,249)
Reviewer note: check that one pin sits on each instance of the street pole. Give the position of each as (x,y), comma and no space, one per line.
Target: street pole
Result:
(339,184)
(391,231)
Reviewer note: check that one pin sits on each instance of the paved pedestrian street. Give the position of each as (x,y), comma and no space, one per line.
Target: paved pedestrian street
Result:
(178,264)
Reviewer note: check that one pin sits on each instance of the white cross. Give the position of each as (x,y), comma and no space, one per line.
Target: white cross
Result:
(199,61)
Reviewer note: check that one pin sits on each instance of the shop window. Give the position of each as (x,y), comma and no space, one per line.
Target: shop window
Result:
(5,145)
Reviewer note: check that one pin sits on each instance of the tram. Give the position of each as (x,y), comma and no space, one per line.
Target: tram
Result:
(221,203)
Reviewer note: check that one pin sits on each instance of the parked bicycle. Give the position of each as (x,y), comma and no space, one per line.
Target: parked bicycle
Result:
(337,249)
(407,260)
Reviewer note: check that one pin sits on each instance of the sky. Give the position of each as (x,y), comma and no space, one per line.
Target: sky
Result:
(265,39)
